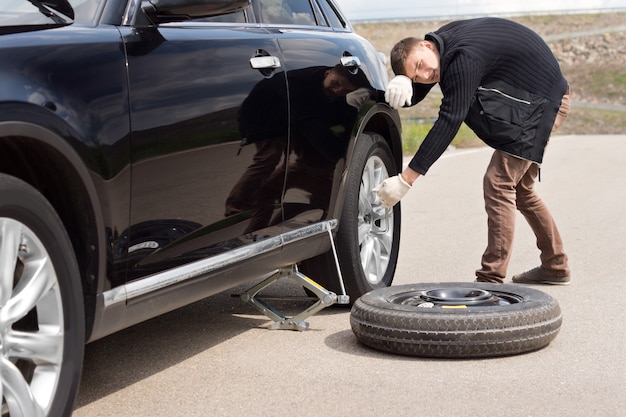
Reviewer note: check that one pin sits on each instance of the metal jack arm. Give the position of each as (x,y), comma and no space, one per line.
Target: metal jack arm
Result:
(325,298)
(281,322)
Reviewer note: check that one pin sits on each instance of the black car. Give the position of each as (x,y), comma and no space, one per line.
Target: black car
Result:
(156,152)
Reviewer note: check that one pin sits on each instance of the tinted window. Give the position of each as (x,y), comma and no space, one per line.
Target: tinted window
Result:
(287,12)
(332,16)
(237,17)
(23,12)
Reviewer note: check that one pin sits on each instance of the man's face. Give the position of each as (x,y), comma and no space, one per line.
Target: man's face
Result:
(422,64)
(336,85)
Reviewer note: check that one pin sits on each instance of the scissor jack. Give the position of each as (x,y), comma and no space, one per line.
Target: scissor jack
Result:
(325,297)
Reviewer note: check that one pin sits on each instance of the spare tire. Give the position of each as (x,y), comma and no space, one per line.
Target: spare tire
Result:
(456,320)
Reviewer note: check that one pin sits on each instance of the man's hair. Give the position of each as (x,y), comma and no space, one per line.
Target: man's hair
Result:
(399,53)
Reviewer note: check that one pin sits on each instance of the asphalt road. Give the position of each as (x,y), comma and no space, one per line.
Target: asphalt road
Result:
(217,358)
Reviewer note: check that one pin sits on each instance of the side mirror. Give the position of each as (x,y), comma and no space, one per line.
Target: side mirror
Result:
(160,11)
(61,6)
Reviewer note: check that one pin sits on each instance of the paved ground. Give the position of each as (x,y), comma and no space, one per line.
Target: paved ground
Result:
(215,358)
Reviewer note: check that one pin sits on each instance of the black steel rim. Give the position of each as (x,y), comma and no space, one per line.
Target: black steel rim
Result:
(458,297)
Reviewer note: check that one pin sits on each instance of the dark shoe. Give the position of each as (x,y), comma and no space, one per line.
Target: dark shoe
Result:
(540,275)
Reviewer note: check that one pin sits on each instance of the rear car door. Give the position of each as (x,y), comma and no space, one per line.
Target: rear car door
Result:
(324,65)
(202,153)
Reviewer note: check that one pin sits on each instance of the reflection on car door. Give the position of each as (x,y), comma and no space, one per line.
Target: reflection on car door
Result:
(321,120)
(206,174)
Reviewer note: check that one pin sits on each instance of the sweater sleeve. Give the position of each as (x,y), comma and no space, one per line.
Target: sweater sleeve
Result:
(420,91)
(460,79)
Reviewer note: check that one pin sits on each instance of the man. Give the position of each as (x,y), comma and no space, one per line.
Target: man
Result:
(502,80)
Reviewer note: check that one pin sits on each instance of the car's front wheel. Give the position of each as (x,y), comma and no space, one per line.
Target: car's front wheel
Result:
(42,329)
(369,235)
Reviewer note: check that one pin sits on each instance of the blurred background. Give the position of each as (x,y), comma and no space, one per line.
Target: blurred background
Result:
(359,10)
(588,37)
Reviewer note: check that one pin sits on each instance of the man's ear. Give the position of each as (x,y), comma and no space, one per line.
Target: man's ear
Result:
(427,44)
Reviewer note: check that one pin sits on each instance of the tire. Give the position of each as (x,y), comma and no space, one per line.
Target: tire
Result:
(456,320)
(41,306)
(367,238)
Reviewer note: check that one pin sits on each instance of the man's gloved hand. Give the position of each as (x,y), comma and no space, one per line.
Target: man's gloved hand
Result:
(392,190)
(399,91)
(357,98)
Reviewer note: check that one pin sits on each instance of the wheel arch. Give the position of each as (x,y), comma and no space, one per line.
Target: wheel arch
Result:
(42,158)
(385,121)
(382,120)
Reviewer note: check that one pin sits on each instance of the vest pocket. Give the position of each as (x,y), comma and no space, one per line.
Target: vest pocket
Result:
(504,116)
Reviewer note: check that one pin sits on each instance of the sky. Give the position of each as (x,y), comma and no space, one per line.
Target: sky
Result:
(359,10)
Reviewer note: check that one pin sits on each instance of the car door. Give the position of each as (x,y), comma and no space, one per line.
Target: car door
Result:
(207,141)
(323,67)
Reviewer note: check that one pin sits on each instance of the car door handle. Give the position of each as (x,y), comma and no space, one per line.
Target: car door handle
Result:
(264,62)
(351,63)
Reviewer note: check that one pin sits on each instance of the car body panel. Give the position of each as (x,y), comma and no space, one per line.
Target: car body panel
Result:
(321,127)
(78,93)
(186,138)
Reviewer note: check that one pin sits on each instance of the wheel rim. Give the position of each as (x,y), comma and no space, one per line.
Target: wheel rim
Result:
(456,297)
(31,322)
(375,224)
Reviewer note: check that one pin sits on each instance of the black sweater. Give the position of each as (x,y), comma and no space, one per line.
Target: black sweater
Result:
(478,51)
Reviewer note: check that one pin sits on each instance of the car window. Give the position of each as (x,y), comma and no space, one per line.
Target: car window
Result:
(23,12)
(333,17)
(287,12)
(237,17)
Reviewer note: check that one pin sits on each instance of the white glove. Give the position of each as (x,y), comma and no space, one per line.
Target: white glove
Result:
(391,190)
(399,91)
(357,98)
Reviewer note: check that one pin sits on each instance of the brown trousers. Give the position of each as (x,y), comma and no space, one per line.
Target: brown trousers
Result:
(508,185)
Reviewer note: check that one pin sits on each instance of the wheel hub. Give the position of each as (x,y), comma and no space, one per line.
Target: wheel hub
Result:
(375,228)
(457,297)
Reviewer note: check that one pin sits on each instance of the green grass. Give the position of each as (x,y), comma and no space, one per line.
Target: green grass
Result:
(413,134)
(609,81)
(583,121)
